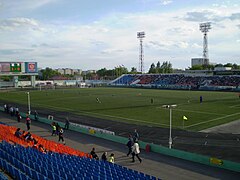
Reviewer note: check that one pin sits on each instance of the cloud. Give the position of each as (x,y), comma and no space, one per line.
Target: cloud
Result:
(204,15)
(235,16)
(210,15)
(163,45)
(197,46)
(16,23)
(182,44)
(43,45)
(23,5)
(112,40)
(111,51)
(14,51)
(166,2)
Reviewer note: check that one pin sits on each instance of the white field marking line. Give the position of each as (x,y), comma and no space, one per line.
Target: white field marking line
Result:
(235,106)
(213,120)
(200,112)
(135,120)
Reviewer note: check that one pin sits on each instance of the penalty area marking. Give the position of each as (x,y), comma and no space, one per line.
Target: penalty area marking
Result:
(235,106)
(212,120)
(200,112)
(129,119)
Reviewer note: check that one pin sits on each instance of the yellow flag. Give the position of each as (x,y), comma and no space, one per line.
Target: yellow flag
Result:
(185,118)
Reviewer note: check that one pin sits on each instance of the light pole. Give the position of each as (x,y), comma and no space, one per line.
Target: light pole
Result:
(29,109)
(170,122)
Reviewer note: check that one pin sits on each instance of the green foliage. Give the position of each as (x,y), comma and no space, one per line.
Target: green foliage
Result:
(211,67)
(120,70)
(106,74)
(6,78)
(166,67)
(133,70)
(48,73)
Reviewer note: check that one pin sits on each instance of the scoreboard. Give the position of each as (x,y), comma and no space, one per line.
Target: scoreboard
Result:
(15,67)
(20,68)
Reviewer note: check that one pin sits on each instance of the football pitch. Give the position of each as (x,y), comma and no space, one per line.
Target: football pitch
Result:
(137,106)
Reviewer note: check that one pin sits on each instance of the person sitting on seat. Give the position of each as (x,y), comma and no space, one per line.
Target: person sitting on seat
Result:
(18,133)
(28,137)
(42,149)
(23,135)
(93,153)
(35,145)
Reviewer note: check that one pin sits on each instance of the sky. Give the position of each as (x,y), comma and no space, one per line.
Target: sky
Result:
(95,34)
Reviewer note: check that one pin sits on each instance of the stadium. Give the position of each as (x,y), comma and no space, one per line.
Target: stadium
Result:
(172,121)
(142,102)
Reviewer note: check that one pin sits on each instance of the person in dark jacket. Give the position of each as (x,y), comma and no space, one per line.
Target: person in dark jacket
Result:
(19,117)
(60,134)
(104,156)
(28,122)
(93,153)
(129,144)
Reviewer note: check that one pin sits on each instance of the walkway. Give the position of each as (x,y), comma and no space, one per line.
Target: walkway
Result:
(158,165)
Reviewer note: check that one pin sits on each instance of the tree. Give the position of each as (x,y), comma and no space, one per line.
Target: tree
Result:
(208,67)
(228,65)
(158,68)
(102,72)
(48,73)
(166,67)
(133,70)
(120,70)
(218,65)
(235,66)
(152,68)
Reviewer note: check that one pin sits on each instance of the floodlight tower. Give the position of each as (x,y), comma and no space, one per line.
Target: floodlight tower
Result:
(204,28)
(140,36)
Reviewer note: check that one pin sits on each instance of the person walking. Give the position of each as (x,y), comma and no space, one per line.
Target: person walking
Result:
(11,111)
(129,144)
(35,115)
(54,128)
(19,117)
(16,110)
(136,152)
(201,99)
(67,122)
(60,134)
(5,108)
(28,122)
(57,128)
(135,136)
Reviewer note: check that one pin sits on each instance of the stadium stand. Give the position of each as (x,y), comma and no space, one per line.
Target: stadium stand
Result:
(7,134)
(21,161)
(3,177)
(179,81)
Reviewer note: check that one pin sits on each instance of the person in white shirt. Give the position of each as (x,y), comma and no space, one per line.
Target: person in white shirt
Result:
(136,152)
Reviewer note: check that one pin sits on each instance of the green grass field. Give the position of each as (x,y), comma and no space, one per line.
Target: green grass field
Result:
(134,105)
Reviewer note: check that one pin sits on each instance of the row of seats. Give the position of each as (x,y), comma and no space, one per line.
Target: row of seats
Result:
(7,134)
(177,79)
(3,177)
(24,162)
(29,163)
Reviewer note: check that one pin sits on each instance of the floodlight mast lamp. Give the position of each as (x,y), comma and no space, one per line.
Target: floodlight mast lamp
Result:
(204,28)
(140,36)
